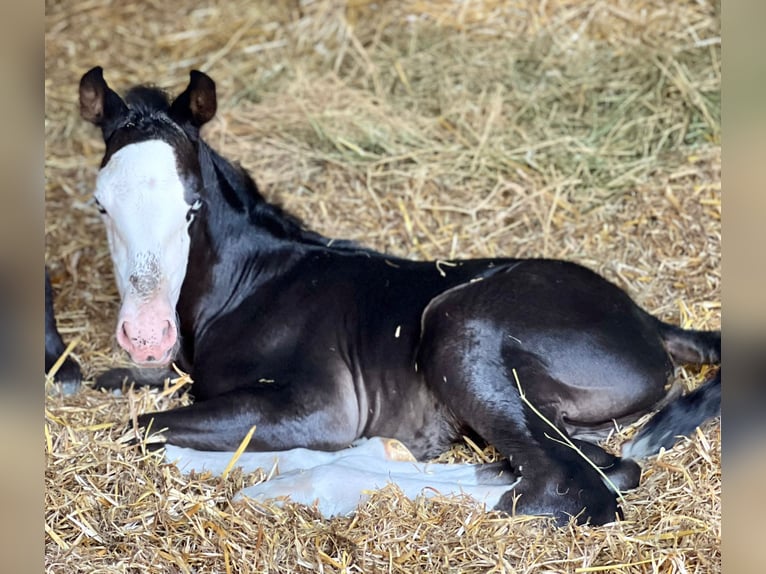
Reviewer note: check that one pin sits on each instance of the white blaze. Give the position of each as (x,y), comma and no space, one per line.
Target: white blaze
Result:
(143,194)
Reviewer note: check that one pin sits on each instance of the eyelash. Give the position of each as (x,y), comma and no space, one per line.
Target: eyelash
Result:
(193,211)
(189,216)
(100,207)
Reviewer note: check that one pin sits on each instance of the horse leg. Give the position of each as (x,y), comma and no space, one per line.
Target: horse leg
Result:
(121,377)
(623,473)
(683,414)
(471,371)
(68,374)
(282,419)
(555,480)
(678,418)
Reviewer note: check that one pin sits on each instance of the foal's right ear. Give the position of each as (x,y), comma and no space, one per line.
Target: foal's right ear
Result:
(197,103)
(99,104)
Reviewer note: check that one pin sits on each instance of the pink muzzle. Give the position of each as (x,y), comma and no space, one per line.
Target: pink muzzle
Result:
(148,333)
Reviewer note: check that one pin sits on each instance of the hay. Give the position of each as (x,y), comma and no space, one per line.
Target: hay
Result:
(427,128)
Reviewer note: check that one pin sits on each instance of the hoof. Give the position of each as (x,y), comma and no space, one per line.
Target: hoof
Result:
(68,378)
(114,379)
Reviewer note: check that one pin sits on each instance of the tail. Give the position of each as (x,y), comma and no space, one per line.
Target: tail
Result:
(683,415)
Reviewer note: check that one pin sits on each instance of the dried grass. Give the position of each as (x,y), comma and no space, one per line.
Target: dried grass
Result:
(434,128)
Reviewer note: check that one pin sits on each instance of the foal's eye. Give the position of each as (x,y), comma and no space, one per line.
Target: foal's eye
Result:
(193,209)
(100,207)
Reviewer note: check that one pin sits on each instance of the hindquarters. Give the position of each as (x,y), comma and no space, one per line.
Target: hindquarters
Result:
(607,357)
(542,344)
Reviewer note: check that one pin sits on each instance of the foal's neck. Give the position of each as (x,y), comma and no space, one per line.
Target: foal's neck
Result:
(237,206)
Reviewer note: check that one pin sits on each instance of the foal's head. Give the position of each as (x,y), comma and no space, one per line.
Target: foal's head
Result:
(148,189)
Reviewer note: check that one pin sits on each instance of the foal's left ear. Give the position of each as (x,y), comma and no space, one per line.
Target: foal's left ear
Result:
(197,103)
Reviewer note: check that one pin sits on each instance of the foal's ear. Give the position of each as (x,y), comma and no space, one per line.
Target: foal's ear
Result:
(99,104)
(197,103)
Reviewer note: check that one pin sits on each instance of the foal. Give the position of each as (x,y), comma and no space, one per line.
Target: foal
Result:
(318,343)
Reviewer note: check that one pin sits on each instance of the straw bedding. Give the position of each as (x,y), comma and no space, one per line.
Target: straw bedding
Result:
(587,130)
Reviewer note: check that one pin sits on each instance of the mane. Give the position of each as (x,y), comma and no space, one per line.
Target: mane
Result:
(147,118)
(239,190)
(146,100)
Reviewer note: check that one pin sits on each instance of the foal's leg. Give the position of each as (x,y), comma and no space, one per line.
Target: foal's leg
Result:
(282,419)
(623,473)
(69,375)
(470,371)
(117,378)
(555,480)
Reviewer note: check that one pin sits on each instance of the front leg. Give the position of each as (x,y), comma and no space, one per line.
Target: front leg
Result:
(282,420)
(121,377)
(68,375)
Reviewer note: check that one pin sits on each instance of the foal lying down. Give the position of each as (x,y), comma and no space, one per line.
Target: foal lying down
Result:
(318,342)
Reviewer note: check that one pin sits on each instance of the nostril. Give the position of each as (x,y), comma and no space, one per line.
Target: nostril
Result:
(123,338)
(169,333)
